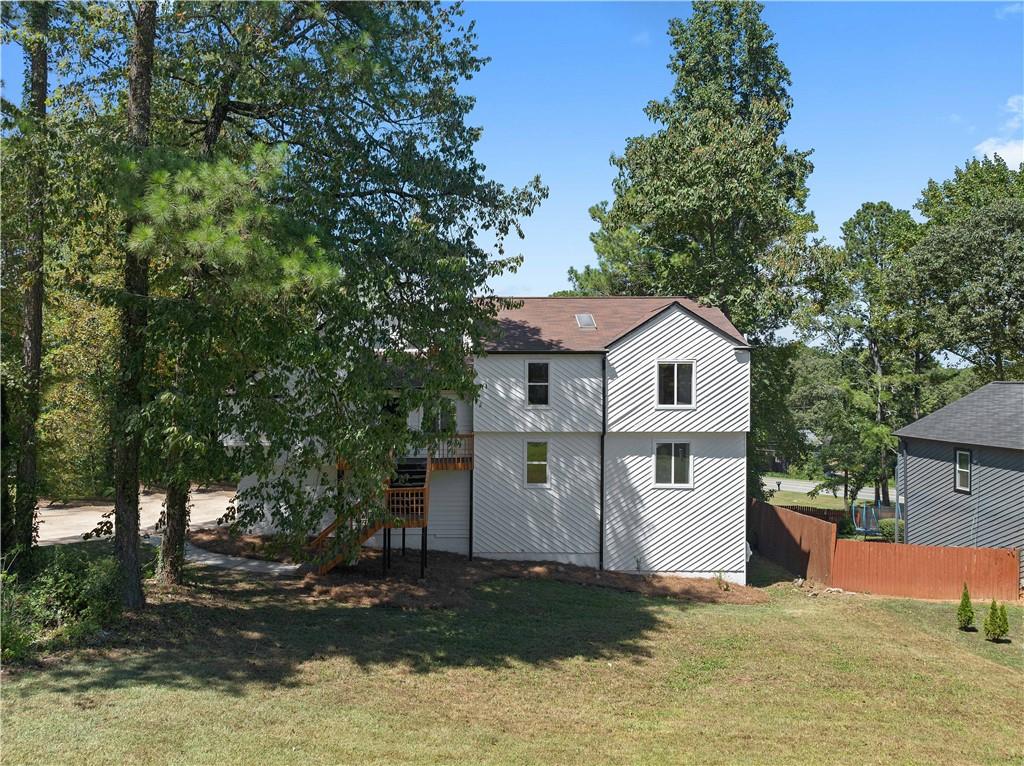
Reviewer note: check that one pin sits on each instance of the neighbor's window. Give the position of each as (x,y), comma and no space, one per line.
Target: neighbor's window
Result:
(675,384)
(537,464)
(537,384)
(672,464)
(963,470)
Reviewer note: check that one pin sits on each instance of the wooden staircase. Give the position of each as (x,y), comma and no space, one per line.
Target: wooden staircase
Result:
(407,499)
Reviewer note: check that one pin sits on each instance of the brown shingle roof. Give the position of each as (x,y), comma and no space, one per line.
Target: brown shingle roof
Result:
(549,324)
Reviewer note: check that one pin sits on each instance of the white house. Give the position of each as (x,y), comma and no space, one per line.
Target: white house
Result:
(608,432)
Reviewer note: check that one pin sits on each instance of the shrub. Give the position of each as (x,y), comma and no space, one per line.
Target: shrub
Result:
(888,528)
(845,526)
(965,612)
(996,623)
(16,630)
(71,596)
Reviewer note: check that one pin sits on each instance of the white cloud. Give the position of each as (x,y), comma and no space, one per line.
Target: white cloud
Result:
(1010,149)
(1010,9)
(1009,144)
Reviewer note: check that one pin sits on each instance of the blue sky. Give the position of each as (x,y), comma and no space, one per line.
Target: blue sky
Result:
(887,95)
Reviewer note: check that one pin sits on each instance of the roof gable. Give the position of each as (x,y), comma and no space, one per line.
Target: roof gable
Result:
(548,325)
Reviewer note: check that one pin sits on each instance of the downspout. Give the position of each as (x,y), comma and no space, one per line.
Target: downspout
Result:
(472,470)
(604,431)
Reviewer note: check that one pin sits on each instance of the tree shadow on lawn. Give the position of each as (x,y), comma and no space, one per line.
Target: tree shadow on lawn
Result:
(229,634)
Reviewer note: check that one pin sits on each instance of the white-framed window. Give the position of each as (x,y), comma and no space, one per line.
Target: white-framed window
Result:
(673,464)
(535,470)
(538,385)
(676,384)
(962,471)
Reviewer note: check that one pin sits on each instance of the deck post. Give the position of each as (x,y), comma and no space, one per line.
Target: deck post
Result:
(423,551)
(403,542)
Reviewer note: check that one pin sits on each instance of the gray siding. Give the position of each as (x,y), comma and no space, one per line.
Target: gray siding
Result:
(698,531)
(722,378)
(992,516)
(574,396)
(555,523)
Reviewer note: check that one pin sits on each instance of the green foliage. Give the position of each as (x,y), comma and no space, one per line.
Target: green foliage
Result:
(72,594)
(711,204)
(965,611)
(997,624)
(891,530)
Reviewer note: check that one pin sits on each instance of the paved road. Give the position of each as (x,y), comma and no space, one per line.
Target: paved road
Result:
(67,523)
(800,485)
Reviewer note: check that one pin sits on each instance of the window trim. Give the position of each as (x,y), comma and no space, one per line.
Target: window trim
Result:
(527,462)
(654,462)
(956,470)
(526,384)
(693,384)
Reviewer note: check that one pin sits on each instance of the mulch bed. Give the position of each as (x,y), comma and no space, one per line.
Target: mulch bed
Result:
(451,578)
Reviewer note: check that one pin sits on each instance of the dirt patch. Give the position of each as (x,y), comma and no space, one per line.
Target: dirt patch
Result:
(451,578)
(218,540)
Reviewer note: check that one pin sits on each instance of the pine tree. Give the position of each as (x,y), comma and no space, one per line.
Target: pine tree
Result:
(1004,620)
(965,612)
(996,626)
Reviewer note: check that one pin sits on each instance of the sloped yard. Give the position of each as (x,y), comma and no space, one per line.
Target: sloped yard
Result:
(528,671)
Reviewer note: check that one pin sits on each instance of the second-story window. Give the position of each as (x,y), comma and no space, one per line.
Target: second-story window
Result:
(675,384)
(537,384)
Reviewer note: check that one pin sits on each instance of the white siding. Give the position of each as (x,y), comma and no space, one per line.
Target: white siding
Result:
(722,380)
(699,531)
(448,522)
(574,395)
(463,416)
(555,523)
(315,484)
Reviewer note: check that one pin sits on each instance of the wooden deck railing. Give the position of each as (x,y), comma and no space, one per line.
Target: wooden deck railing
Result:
(455,454)
(407,506)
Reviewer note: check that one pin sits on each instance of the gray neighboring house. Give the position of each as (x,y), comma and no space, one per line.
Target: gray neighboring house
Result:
(964,477)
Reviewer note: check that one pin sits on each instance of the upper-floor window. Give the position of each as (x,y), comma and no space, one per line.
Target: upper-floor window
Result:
(675,384)
(672,464)
(537,464)
(537,385)
(962,471)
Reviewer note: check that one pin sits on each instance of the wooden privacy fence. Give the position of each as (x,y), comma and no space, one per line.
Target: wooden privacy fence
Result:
(808,547)
(802,544)
(925,571)
(832,515)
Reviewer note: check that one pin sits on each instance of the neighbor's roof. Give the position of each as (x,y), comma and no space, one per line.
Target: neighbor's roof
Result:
(549,324)
(991,416)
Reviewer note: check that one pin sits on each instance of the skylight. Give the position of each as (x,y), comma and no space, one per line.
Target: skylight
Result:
(586,321)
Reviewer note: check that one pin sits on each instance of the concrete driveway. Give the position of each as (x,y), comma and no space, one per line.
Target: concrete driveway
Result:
(67,523)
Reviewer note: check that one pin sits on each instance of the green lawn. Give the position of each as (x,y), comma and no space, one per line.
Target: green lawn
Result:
(823,500)
(532,671)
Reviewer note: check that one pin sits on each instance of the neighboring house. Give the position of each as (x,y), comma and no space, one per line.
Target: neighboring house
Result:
(962,471)
(608,432)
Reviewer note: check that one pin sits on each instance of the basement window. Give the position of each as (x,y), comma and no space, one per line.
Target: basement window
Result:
(586,322)
(962,471)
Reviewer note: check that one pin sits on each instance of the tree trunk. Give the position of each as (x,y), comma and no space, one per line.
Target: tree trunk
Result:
(130,394)
(172,547)
(26,474)
(882,481)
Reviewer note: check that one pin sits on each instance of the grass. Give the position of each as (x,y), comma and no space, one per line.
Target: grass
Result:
(235,670)
(823,500)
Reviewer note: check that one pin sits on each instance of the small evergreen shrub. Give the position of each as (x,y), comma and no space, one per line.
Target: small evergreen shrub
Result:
(996,625)
(965,612)
(888,528)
